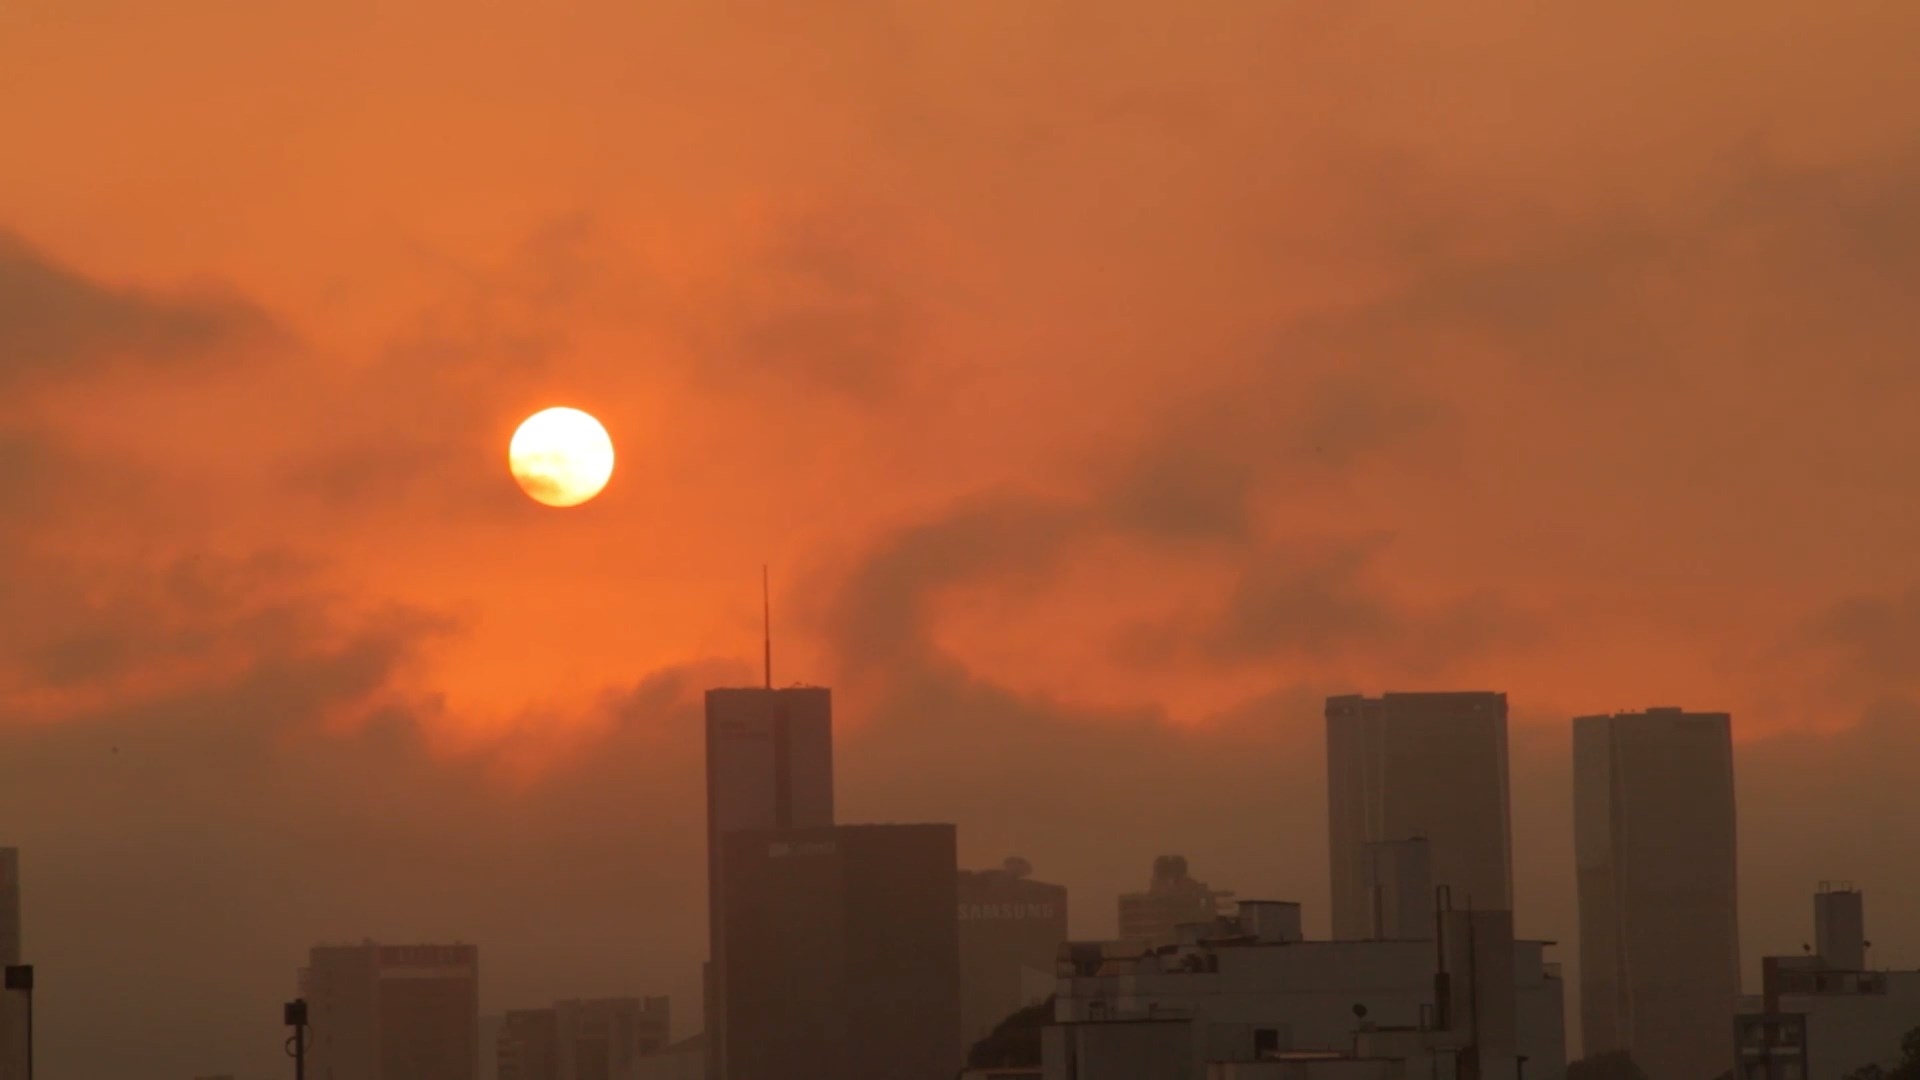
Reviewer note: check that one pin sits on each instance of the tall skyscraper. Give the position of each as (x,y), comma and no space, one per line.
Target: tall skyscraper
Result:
(393,1012)
(1173,899)
(1011,928)
(9,905)
(843,954)
(13,1006)
(1654,842)
(1428,766)
(769,766)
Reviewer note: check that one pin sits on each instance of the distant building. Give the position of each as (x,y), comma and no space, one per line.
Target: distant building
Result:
(13,1013)
(1011,929)
(596,1039)
(528,1046)
(1249,997)
(1172,900)
(1654,846)
(1406,766)
(393,1012)
(842,954)
(1825,1011)
(769,766)
(603,1039)
(683,1060)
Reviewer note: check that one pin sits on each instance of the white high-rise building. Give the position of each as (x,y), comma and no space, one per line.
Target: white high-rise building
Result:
(1430,767)
(1654,845)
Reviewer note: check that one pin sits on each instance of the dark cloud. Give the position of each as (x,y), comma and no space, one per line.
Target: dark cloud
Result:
(56,322)
(1622,292)
(1870,641)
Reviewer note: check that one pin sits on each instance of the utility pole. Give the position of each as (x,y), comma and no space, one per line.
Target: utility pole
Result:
(20,977)
(295,1017)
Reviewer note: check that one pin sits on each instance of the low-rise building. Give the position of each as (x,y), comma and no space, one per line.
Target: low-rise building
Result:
(1821,1012)
(1251,991)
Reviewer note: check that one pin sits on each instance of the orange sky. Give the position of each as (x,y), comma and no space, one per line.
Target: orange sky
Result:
(1113,360)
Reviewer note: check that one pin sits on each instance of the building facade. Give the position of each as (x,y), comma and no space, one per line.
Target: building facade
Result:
(1826,1011)
(1011,929)
(1172,899)
(1654,848)
(605,1038)
(843,954)
(393,1012)
(528,1046)
(1427,766)
(1252,993)
(769,766)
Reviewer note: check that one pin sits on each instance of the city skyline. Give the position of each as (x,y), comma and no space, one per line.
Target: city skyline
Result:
(1101,388)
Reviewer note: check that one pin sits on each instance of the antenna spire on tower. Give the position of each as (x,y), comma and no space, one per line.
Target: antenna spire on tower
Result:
(766,625)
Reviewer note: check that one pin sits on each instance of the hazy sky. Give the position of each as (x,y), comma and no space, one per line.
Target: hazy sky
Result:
(1104,382)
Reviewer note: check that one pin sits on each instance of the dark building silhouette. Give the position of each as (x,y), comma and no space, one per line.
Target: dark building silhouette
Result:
(1654,845)
(842,953)
(528,1046)
(1011,929)
(393,1012)
(591,1039)
(769,766)
(601,1038)
(13,1006)
(1406,766)
(1173,899)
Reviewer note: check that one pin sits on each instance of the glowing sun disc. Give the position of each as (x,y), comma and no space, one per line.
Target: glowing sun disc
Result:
(561,456)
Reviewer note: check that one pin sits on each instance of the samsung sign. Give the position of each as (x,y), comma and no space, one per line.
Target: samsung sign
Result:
(976,912)
(783,849)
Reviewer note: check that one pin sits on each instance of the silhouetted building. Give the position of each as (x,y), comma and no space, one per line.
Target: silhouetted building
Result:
(842,954)
(769,766)
(1247,993)
(1840,927)
(1825,1012)
(1400,890)
(1659,928)
(1011,928)
(603,1039)
(393,1012)
(1173,899)
(528,1046)
(1405,766)
(683,1060)
(13,1005)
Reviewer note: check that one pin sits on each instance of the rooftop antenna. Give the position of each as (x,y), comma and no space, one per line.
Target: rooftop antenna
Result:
(766,625)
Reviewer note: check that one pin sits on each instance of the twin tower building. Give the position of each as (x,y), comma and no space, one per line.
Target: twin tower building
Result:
(1418,800)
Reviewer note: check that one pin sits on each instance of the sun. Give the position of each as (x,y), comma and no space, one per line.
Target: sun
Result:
(561,456)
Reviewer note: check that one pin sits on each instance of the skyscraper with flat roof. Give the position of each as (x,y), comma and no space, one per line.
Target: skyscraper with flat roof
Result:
(1418,766)
(1654,837)
(769,766)
(393,1012)
(842,953)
